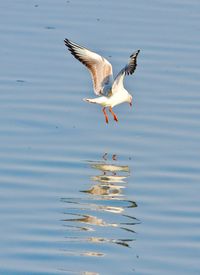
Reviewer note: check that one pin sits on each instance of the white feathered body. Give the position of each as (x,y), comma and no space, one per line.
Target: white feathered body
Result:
(115,99)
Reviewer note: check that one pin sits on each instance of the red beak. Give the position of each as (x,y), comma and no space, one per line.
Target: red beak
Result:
(130,103)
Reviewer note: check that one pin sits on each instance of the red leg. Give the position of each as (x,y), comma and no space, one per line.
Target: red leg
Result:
(114,115)
(114,157)
(105,114)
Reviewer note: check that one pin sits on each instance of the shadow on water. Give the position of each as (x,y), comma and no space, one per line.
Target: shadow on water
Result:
(101,214)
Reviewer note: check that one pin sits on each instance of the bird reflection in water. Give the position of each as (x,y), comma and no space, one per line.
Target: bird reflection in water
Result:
(110,183)
(104,205)
(105,195)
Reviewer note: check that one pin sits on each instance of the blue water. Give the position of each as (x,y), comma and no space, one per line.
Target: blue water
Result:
(78,196)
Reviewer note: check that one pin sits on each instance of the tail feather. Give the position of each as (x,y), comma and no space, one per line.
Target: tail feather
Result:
(98,100)
(89,100)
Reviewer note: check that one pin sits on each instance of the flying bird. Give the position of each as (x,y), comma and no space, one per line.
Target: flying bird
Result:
(111,92)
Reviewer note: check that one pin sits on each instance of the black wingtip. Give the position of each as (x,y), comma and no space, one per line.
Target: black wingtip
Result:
(69,45)
(130,68)
(135,53)
(66,41)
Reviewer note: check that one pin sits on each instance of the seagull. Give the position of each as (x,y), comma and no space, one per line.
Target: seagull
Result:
(110,92)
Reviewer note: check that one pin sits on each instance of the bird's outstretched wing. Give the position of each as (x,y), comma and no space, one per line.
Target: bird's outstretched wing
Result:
(100,69)
(128,69)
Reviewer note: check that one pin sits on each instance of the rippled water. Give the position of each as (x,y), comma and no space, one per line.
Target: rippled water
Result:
(78,196)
